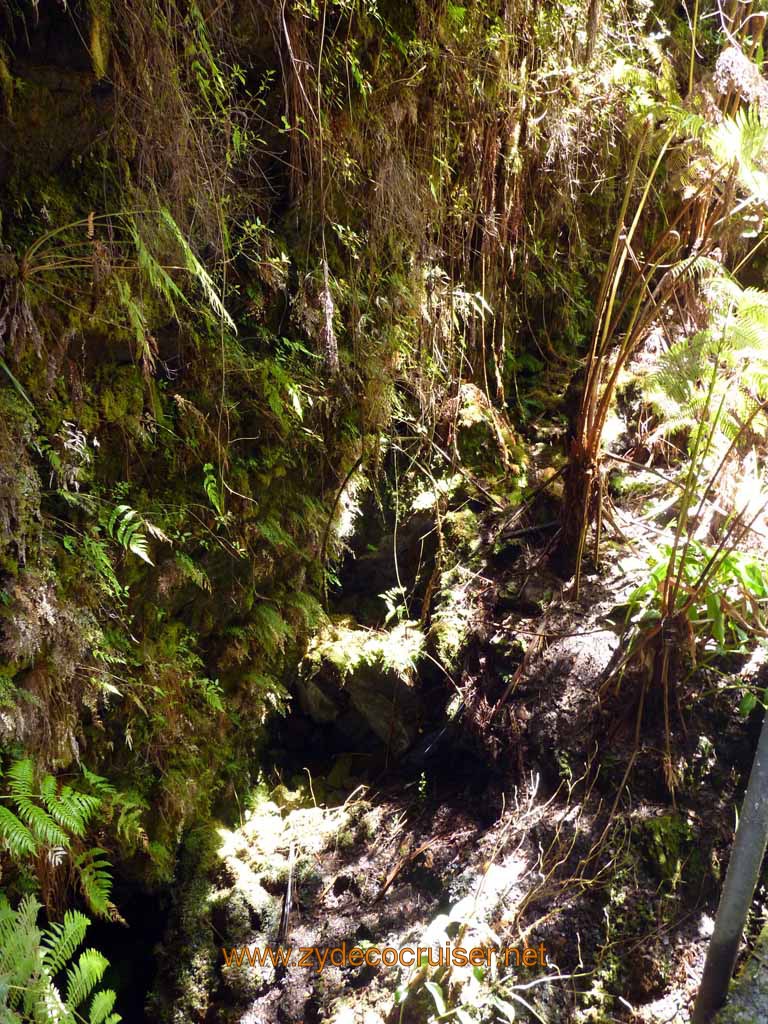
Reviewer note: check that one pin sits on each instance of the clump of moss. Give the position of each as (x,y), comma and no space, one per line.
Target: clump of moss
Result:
(346,646)
(454,613)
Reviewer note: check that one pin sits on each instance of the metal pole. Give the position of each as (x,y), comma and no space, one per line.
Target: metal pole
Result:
(741,879)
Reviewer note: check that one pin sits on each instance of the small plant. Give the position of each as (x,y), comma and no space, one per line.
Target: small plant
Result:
(31,958)
(129,529)
(695,593)
(46,825)
(212,489)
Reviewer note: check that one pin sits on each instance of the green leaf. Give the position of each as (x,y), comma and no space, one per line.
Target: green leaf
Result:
(101,1006)
(15,835)
(747,704)
(437,995)
(83,976)
(211,486)
(62,939)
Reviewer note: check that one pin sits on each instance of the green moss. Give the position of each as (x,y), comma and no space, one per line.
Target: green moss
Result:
(122,400)
(345,646)
(100,37)
(6,86)
(670,847)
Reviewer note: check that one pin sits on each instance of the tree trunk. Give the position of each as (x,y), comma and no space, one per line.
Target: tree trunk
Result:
(738,891)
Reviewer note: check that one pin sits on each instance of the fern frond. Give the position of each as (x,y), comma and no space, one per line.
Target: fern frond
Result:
(211,487)
(156,275)
(62,939)
(30,961)
(743,140)
(98,557)
(21,777)
(95,880)
(128,528)
(198,271)
(129,825)
(97,783)
(102,1005)
(697,267)
(270,628)
(72,810)
(44,1003)
(193,571)
(15,835)
(84,976)
(41,824)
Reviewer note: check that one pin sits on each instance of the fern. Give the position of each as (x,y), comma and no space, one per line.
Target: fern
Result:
(129,530)
(737,342)
(41,824)
(97,556)
(129,826)
(97,783)
(271,629)
(156,275)
(193,571)
(146,346)
(101,1008)
(198,271)
(30,960)
(15,836)
(211,691)
(62,939)
(743,140)
(272,532)
(47,817)
(308,607)
(73,810)
(211,487)
(84,976)
(96,881)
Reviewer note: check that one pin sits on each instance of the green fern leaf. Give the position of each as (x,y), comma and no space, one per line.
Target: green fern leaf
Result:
(41,824)
(211,485)
(62,939)
(97,783)
(198,271)
(102,1005)
(83,976)
(95,880)
(17,838)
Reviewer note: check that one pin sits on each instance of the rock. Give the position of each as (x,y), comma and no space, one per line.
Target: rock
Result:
(363,681)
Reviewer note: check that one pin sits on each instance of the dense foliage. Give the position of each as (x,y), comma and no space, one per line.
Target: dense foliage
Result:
(257,259)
